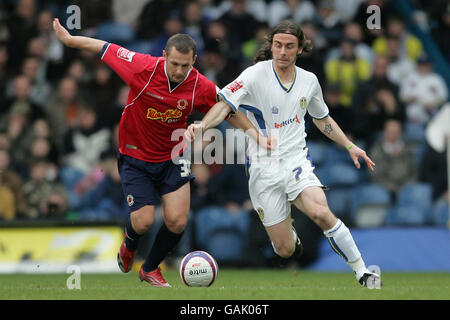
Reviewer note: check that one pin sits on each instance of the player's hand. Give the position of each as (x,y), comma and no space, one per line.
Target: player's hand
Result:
(267,142)
(61,33)
(192,130)
(356,153)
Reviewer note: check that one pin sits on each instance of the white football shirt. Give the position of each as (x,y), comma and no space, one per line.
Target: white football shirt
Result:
(275,110)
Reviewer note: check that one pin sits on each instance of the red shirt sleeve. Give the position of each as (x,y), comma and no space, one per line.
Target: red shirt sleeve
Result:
(126,63)
(206,96)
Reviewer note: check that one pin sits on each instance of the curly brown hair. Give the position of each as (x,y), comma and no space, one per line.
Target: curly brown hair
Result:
(285,26)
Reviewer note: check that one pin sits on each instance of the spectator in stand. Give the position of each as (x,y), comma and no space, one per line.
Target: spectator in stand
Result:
(5,143)
(343,115)
(20,99)
(296,10)
(211,10)
(410,46)
(126,14)
(153,17)
(396,165)
(106,200)
(85,142)
(21,25)
(354,32)
(347,70)
(204,190)
(21,113)
(4,73)
(313,61)
(42,150)
(240,26)
(39,145)
(172,25)
(81,73)
(62,107)
(217,32)
(376,100)
(423,92)
(33,68)
(194,25)
(54,48)
(399,67)
(46,198)
(250,47)
(215,67)
(329,23)
(13,182)
(102,88)
(7,202)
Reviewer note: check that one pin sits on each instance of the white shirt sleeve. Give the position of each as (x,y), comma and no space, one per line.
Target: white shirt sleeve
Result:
(317,107)
(235,92)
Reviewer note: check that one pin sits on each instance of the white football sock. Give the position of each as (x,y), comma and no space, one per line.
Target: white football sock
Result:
(343,244)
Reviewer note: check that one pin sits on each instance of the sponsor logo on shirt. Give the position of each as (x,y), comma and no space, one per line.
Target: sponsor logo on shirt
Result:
(287,122)
(168,116)
(125,54)
(235,86)
(274,110)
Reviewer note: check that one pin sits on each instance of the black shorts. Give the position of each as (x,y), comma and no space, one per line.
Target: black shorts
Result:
(144,182)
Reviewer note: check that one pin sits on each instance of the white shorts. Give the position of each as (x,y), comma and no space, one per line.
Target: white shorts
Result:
(273,184)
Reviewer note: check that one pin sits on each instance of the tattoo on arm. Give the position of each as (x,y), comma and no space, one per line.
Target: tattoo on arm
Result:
(328,129)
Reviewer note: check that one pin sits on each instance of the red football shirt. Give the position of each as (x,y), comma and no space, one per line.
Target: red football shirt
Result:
(153,110)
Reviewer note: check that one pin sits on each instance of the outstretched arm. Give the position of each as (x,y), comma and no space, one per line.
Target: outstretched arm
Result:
(77,42)
(331,129)
(217,114)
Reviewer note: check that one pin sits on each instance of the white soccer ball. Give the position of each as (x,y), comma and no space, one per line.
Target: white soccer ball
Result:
(198,269)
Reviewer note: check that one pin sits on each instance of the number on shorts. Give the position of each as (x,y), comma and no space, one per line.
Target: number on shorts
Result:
(185,167)
(297,171)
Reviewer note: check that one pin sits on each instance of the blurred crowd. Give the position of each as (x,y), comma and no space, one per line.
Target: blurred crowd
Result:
(60,108)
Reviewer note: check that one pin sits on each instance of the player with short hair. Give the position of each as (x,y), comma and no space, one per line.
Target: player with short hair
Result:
(163,92)
(277,95)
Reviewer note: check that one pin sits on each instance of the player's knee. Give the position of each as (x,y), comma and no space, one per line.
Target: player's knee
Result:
(285,250)
(176,224)
(142,222)
(141,226)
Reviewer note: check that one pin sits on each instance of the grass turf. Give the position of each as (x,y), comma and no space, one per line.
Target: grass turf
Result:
(232,284)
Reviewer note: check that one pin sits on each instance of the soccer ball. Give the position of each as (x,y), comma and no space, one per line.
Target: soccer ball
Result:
(198,269)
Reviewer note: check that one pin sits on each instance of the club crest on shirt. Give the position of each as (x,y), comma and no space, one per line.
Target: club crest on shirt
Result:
(166,116)
(182,104)
(303,102)
(260,213)
(125,54)
(130,200)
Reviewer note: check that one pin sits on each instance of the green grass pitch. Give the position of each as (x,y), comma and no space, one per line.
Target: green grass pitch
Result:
(231,284)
